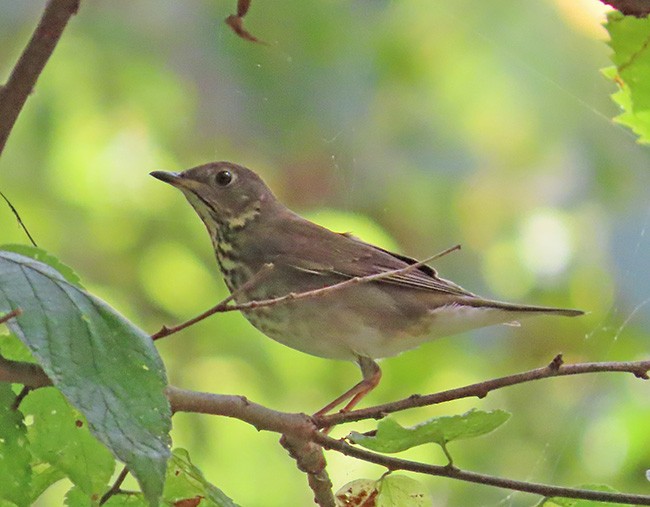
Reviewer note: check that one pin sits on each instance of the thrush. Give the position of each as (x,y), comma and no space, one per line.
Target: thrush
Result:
(251,229)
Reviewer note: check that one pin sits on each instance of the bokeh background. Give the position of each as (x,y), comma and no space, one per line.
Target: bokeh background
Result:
(416,124)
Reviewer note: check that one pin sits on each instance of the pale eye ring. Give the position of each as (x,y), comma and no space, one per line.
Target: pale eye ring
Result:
(223,178)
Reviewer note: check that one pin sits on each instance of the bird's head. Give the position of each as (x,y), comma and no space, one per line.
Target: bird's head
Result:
(222,193)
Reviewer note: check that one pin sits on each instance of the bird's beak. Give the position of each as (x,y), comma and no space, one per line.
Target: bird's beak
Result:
(168,177)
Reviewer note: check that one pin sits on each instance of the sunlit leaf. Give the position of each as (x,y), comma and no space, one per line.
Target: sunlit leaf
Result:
(130,500)
(15,470)
(392,437)
(43,476)
(389,491)
(629,40)
(400,491)
(357,492)
(185,483)
(74,451)
(104,365)
(12,348)
(77,498)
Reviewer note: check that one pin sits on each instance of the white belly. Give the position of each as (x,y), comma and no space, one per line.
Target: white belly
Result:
(338,332)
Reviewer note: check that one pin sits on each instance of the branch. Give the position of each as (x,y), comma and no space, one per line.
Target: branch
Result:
(115,488)
(638,8)
(545,490)
(301,431)
(252,282)
(481,389)
(11,315)
(239,407)
(18,372)
(292,296)
(31,63)
(310,459)
(297,431)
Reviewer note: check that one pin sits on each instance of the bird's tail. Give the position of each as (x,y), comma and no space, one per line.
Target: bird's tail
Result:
(512,307)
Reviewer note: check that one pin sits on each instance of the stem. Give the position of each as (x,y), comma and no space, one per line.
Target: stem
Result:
(220,307)
(481,389)
(12,314)
(31,63)
(115,488)
(253,305)
(223,306)
(545,490)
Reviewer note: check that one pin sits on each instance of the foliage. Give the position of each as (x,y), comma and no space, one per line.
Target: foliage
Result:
(110,372)
(630,41)
(392,437)
(391,490)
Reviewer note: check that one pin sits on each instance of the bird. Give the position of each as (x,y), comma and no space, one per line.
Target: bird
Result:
(265,251)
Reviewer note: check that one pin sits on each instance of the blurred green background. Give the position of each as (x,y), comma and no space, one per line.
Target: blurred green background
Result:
(417,124)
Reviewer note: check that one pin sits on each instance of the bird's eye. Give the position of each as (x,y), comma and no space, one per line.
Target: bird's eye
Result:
(223,178)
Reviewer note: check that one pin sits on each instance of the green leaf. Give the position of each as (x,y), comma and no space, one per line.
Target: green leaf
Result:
(15,469)
(46,258)
(402,491)
(389,491)
(630,42)
(357,492)
(77,498)
(185,481)
(124,500)
(74,451)
(12,348)
(392,437)
(43,476)
(104,365)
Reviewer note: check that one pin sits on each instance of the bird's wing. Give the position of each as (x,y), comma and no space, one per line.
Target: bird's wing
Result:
(321,251)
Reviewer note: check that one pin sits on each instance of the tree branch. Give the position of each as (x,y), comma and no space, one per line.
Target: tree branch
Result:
(239,407)
(297,431)
(31,63)
(252,282)
(302,438)
(545,490)
(310,459)
(481,389)
(27,374)
(11,315)
(638,8)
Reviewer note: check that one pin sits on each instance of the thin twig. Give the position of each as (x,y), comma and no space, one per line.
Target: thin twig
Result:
(250,283)
(638,8)
(293,296)
(31,63)
(20,220)
(223,306)
(115,488)
(236,22)
(545,490)
(481,389)
(21,396)
(11,315)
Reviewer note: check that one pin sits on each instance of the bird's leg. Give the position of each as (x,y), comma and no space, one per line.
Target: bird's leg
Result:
(371,376)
